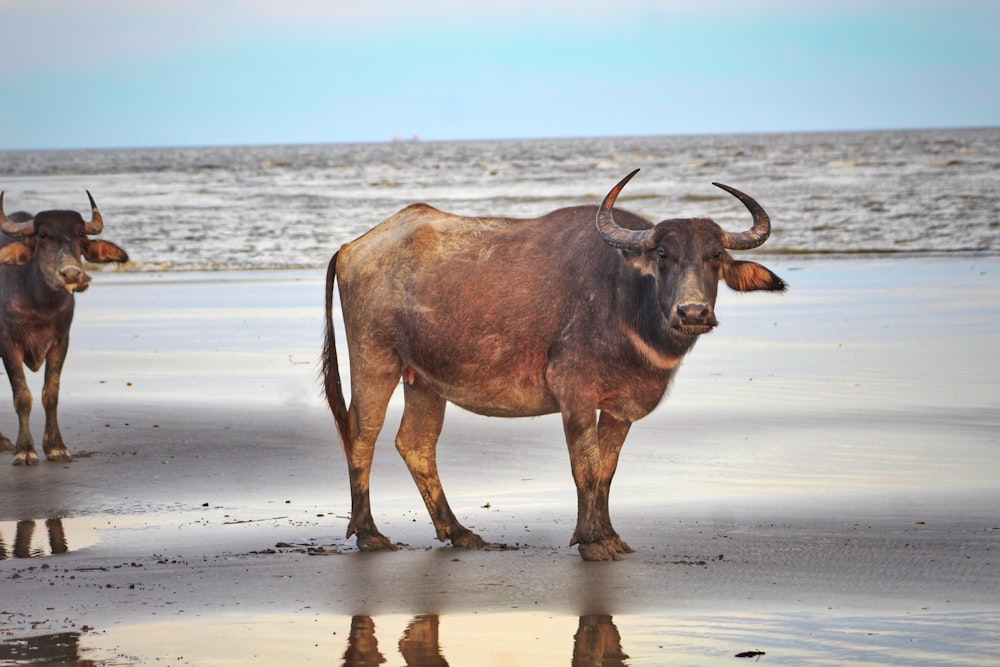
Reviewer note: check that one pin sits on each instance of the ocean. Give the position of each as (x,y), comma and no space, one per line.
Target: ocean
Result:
(932,192)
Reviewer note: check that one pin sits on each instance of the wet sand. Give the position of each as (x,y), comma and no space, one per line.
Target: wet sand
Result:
(822,485)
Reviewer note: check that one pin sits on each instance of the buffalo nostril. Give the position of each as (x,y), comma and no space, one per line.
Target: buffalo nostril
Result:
(71,274)
(694,313)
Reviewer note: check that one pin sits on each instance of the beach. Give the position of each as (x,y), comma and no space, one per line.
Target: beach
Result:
(821,486)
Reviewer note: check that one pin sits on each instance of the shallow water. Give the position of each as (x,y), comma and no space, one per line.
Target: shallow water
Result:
(197,593)
(920,637)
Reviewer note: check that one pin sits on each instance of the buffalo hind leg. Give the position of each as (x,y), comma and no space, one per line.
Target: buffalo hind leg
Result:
(594,451)
(366,416)
(416,441)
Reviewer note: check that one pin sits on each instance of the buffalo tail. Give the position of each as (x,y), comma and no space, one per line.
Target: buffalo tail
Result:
(331,368)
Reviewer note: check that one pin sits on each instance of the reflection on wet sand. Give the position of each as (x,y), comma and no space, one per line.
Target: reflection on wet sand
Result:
(596,643)
(362,646)
(57,649)
(419,644)
(24,536)
(924,638)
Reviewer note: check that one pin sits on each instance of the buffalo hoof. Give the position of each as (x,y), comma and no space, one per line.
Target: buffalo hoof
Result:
(467,540)
(606,549)
(376,542)
(59,456)
(26,459)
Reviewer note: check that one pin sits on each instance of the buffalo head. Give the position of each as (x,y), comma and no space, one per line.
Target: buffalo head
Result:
(687,257)
(56,241)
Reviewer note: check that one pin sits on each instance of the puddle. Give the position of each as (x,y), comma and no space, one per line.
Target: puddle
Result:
(510,639)
(51,537)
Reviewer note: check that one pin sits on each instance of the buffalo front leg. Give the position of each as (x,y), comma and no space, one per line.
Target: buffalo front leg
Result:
(594,450)
(52,440)
(366,416)
(24,449)
(611,433)
(416,441)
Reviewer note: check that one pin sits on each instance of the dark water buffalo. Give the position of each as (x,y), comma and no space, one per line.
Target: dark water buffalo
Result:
(516,318)
(40,269)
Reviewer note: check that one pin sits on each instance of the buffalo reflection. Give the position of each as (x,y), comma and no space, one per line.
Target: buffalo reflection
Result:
(596,643)
(62,648)
(24,535)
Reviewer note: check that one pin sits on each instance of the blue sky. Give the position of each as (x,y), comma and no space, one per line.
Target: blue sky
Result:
(123,73)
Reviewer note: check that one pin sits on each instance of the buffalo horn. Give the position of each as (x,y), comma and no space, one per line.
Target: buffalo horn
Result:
(754,236)
(11,228)
(619,237)
(96,223)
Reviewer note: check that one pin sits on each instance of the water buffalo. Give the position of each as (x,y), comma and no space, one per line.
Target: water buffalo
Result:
(40,269)
(523,317)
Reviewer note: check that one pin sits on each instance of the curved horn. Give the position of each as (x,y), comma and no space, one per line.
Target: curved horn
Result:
(754,236)
(96,223)
(11,228)
(619,237)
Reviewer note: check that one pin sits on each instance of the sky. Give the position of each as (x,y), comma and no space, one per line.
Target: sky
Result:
(143,73)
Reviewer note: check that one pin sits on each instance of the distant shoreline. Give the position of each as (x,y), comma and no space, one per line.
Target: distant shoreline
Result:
(417,138)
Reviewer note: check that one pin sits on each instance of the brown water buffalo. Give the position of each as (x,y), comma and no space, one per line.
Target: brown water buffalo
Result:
(522,317)
(40,269)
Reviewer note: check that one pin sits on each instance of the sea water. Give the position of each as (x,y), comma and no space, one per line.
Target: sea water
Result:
(267,207)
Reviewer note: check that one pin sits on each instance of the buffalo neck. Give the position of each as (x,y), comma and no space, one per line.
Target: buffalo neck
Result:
(29,286)
(651,324)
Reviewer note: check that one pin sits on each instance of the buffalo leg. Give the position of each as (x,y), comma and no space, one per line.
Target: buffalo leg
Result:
(366,416)
(593,452)
(24,450)
(420,644)
(423,416)
(611,434)
(52,440)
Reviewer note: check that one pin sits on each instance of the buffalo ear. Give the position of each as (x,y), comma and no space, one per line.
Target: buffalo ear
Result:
(102,252)
(16,253)
(751,276)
